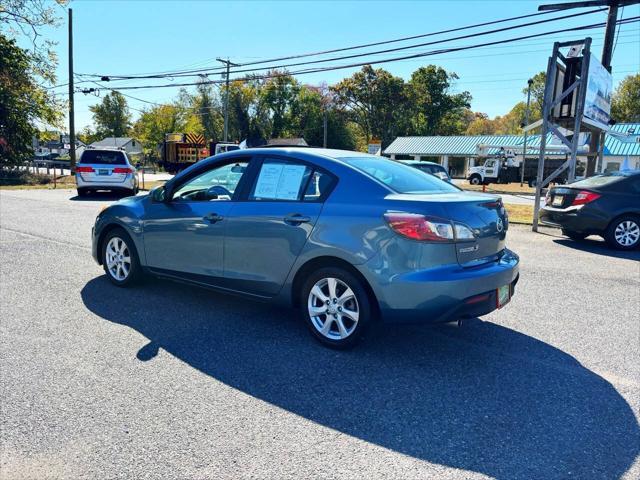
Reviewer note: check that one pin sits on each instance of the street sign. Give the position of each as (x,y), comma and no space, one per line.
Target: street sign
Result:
(375,146)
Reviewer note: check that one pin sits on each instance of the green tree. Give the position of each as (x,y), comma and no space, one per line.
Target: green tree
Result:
(434,109)
(375,100)
(154,123)
(111,116)
(278,96)
(24,74)
(23,103)
(207,105)
(625,103)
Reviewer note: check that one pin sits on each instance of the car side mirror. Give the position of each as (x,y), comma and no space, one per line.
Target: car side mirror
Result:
(158,194)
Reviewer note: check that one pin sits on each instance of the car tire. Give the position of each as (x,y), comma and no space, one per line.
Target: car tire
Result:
(574,235)
(623,233)
(330,292)
(475,180)
(120,271)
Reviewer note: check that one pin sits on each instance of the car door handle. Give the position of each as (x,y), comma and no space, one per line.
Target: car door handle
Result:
(213,218)
(296,219)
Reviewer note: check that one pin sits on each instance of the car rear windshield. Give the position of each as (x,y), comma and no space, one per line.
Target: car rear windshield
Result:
(598,181)
(102,157)
(400,178)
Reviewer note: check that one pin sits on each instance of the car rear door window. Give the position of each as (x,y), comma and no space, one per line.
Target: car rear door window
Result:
(281,180)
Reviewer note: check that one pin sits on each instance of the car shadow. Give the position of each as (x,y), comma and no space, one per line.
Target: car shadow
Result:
(100,196)
(482,397)
(597,246)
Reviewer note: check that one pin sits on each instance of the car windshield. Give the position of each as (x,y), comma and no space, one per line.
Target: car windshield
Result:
(400,178)
(102,157)
(599,181)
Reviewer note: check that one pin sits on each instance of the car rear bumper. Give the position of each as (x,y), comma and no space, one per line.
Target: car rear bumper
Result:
(576,220)
(129,183)
(441,294)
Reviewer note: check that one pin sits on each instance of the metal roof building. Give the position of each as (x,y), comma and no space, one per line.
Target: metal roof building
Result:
(459,152)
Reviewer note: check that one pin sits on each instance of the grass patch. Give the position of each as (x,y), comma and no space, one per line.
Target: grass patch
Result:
(520,213)
(22,177)
(29,181)
(500,188)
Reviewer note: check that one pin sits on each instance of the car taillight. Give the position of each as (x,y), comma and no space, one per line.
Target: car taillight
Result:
(122,170)
(84,169)
(420,227)
(585,197)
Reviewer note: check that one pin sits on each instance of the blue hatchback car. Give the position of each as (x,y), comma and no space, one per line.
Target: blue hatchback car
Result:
(346,237)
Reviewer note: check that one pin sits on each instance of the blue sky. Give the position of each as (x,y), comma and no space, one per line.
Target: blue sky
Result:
(132,37)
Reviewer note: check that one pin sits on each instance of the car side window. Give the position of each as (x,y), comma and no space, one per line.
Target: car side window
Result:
(280,180)
(217,184)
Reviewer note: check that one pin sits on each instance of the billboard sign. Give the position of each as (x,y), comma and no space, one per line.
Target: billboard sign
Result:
(597,102)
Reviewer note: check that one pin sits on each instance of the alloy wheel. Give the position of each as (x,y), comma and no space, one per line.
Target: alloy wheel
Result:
(627,233)
(118,259)
(333,308)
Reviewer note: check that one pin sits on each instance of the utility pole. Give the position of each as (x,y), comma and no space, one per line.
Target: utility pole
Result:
(226,95)
(324,125)
(526,122)
(72,120)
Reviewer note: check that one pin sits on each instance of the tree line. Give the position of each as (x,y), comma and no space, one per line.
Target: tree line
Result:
(372,103)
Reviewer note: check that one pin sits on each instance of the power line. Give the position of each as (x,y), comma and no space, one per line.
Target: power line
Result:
(406,47)
(386,60)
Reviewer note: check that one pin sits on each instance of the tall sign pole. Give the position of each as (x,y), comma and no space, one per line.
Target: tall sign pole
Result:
(72,120)
(607,53)
(597,139)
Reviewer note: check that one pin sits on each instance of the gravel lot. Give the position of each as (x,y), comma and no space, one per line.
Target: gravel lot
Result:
(170,381)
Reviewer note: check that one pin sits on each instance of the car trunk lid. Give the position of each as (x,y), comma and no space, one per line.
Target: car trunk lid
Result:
(484,214)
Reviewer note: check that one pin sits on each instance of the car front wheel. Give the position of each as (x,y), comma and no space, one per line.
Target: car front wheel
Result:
(624,233)
(335,307)
(475,180)
(120,259)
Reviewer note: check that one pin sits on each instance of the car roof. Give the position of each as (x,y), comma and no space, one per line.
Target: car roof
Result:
(420,162)
(622,173)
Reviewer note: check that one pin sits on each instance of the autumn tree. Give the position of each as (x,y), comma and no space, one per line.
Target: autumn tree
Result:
(155,122)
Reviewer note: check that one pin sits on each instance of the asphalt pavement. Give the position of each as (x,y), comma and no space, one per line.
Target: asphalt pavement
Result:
(170,381)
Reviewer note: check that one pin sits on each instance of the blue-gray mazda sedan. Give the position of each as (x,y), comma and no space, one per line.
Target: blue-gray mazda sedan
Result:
(348,238)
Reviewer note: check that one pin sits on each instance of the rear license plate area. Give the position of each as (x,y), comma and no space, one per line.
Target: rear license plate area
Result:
(557,200)
(103,171)
(503,295)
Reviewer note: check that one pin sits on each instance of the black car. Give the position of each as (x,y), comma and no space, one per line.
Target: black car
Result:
(606,205)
